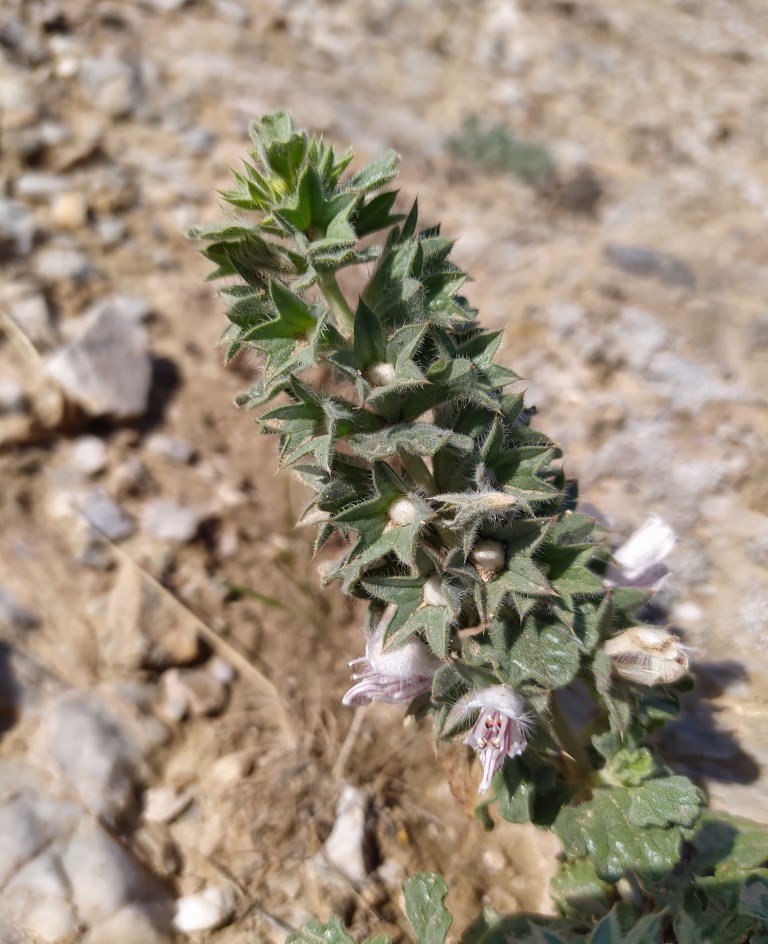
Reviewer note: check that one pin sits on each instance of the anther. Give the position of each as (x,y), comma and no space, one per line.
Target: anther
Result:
(495,742)
(481,743)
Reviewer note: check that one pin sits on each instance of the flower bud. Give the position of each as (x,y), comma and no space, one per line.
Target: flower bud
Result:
(648,655)
(433,592)
(488,556)
(402,511)
(380,374)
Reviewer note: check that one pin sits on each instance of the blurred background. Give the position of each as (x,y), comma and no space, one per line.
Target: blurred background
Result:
(170,671)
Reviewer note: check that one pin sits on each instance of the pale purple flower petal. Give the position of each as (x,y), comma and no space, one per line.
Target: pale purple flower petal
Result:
(638,562)
(395,676)
(500,729)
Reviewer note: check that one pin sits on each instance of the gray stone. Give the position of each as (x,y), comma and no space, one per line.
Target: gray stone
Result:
(81,741)
(105,515)
(651,263)
(61,263)
(104,877)
(31,314)
(112,84)
(15,616)
(37,899)
(108,369)
(170,447)
(40,187)
(111,230)
(170,522)
(17,229)
(129,308)
(12,398)
(89,455)
(24,835)
(165,6)
(130,924)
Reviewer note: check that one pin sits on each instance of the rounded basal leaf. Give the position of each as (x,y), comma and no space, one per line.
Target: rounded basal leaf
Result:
(636,829)
(424,896)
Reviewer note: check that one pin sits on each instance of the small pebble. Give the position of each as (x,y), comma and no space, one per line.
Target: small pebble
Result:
(164,804)
(170,447)
(170,522)
(89,455)
(197,690)
(105,515)
(70,210)
(12,399)
(209,909)
(57,264)
(31,314)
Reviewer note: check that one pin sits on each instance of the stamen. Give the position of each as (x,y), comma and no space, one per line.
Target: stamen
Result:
(481,743)
(496,743)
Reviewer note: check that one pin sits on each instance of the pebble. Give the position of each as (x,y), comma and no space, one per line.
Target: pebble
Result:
(111,230)
(164,804)
(38,187)
(132,923)
(89,455)
(140,629)
(83,743)
(207,910)
(105,515)
(12,398)
(195,692)
(170,447)
(112,85)
(651,263)
(128,308)
(17,228)
(60,263)
(70,210)
(165,6)
(104,877)
(170,522)
(24,835)
(231,769)
(15,616)
(108,369)
(32,315)
(129,478)
(37,898)
(344,846)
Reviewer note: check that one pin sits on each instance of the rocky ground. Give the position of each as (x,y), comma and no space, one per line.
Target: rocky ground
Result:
(174,759)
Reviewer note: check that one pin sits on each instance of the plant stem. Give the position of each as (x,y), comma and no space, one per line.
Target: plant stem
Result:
(581,767)
(343,314)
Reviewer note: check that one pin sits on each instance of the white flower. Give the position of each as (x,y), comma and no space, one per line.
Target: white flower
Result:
(499,731)
(648,655)
(638,562)
(394,676)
